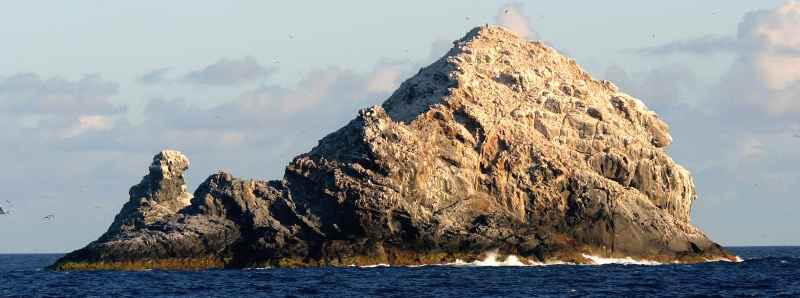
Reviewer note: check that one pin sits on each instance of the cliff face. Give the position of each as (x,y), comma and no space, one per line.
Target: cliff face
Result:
(502,144)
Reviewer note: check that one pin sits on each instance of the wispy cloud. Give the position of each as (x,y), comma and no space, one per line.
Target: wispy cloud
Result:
(511,15)
(229,72)
(765,76)
(698,45)
(736,129)
(58,108)
(155,76)
(30,94)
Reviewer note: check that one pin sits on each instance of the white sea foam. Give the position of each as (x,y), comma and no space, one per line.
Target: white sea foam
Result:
(258,268)
(737,260)
(621,261)
(374,266)
(492,260)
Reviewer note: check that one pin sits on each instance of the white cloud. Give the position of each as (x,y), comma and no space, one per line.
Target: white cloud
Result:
(57,108)
(87,123)
(708,44)
(155,76)
(386,77)
(229,72)
(777,34)
(765,77)
(664,89)
(29,94)
(749,148)
(775,28)
(511,16)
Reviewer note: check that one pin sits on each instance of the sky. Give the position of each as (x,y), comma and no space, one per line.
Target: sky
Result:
(91,90)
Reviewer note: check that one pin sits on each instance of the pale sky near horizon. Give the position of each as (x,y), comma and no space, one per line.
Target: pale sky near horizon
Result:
(91,90)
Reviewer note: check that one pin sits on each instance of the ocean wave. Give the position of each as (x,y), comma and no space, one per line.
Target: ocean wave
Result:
(492,260)
(737,260)
(373,266)
(620,261)
(258,268)
(770,259)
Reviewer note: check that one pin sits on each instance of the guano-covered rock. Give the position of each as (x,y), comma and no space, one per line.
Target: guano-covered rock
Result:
(501,145)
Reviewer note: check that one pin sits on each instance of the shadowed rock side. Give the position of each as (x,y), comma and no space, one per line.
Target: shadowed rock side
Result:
(501,145)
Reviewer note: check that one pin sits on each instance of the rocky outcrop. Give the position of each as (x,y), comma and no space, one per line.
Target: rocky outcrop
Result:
(501,145)
(162,192)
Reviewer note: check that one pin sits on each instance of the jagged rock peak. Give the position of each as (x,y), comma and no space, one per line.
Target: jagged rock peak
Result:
(169,164)
(498,70)
(162,192)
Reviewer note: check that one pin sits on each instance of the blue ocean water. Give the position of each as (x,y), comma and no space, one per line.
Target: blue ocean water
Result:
(765,271)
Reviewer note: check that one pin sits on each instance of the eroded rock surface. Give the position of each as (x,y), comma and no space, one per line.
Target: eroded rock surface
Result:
(161,192)
(503,144)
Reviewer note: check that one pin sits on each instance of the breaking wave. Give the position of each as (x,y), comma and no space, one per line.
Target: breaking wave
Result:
(620,261)
(374,266)
(492,260)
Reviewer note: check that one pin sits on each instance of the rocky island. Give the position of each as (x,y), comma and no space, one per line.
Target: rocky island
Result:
(503,145)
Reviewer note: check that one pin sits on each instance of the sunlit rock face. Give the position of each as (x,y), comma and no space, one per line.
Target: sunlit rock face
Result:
(161,192)
(502,145)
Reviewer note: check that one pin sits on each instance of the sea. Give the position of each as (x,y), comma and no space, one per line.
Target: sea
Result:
(762,272)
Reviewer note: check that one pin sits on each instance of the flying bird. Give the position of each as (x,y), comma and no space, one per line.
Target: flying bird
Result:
(49,217)
(796,135)
(506,11)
